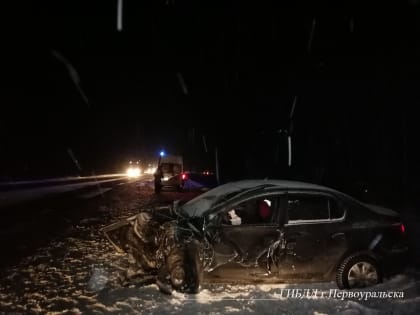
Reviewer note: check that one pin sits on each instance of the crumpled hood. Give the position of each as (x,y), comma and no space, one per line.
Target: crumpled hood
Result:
(158,247)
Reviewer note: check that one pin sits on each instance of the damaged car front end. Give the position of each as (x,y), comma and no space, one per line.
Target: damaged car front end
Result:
(161,248)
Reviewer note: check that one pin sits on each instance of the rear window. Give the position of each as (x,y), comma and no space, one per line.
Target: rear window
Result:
(177,168)
(171,168)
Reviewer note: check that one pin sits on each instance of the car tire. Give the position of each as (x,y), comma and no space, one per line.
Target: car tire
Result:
(195,270)
(358,271)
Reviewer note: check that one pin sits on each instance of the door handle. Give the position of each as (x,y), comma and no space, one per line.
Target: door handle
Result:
(335,235)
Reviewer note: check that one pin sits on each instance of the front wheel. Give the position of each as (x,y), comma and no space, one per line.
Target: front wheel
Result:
(358,272)
(195,268)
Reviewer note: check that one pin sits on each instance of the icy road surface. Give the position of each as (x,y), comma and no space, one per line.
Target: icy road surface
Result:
(79,274)
(16,196)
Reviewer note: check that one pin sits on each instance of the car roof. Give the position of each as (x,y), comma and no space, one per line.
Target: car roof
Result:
(199,205)
(278,183)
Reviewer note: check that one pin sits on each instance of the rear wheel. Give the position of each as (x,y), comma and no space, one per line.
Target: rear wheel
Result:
(358,272)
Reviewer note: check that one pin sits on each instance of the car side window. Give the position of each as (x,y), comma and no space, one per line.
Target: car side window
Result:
(307,207)
(301,207)
(259,210)
(336,212)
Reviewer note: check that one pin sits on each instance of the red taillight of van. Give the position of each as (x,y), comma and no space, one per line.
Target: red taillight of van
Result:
(402,228)
(184,176)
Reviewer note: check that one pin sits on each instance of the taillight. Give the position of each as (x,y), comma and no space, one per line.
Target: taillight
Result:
(184,176)
(402,228)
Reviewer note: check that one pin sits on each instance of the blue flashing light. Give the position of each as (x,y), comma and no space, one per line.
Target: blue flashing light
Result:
(162,153)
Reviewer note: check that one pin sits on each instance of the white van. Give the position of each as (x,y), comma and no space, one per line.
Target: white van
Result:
(169,172)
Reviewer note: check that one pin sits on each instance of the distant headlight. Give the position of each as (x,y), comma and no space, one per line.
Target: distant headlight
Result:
(133,172)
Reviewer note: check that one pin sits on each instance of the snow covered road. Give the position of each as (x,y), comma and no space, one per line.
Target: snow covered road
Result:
(39,189)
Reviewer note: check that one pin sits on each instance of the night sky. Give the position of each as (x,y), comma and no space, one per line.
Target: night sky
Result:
(227,70)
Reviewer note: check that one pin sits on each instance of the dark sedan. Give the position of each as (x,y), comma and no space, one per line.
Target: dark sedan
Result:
(263,231)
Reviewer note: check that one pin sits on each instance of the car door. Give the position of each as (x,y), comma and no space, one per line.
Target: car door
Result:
(312,237)
(246,248)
